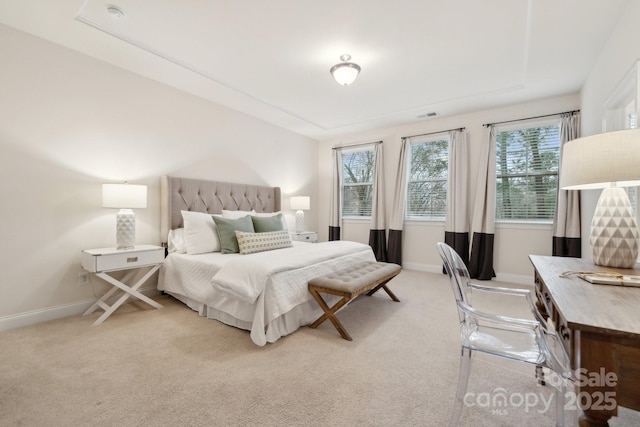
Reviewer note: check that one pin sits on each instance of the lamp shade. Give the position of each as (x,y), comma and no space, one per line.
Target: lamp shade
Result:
(300,203)
(601,161)
(609,161)
(124,196)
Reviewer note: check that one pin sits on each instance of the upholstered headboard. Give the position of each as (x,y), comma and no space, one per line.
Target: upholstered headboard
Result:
(187,194)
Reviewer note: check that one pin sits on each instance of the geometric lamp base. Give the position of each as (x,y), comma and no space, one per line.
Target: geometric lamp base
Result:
(126,229)
(299,221)
(614,232)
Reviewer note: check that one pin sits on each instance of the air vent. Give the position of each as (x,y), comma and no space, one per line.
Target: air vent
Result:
(116,13)
(428,115)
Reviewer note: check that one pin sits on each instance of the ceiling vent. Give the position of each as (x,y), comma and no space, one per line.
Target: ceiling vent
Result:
(428,115)
(116,13)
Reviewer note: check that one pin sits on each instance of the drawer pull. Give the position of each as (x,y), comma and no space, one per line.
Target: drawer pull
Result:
(564,332)
(132,259)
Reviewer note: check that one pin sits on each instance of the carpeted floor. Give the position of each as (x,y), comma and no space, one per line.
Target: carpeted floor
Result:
(169,367)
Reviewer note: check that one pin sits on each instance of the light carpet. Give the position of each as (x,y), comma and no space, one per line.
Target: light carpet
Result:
(170,367)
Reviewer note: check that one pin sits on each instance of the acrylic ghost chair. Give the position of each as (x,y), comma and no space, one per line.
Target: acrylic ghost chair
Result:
(525,340)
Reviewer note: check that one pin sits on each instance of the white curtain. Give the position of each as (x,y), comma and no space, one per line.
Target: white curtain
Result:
(566,222)
(377,233)
(456,227)
(335,202)
(396,225)
(483,220)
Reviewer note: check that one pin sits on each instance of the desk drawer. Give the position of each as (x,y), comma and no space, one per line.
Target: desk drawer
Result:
(545,307)
(121,261)
(565,334)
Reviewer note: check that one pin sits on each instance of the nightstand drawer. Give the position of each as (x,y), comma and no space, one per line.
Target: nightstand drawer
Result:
(305,236)
(105,260)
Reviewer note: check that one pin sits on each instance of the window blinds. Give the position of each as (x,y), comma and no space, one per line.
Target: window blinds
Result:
(527,164)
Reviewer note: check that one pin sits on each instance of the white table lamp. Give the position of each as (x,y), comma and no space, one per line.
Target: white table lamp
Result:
(125,197)
(609,161)
(300,203)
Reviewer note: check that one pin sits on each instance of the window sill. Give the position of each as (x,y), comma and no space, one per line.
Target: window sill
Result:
(357,219)
(523,225)
(424,222)
(420,222)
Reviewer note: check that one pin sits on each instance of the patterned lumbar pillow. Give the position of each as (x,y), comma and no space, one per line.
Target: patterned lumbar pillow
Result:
(258,242)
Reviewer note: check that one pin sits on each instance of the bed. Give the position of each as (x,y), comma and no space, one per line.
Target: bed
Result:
(261,291)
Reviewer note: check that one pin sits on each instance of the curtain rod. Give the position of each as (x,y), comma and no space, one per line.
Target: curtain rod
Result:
(530,118)
(357,145)
(433,133)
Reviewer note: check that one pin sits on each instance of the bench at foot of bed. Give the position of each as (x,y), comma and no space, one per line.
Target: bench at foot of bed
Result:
(349,283)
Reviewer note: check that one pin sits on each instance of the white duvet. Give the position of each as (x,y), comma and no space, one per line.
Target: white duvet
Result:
(264,292)
(245,277)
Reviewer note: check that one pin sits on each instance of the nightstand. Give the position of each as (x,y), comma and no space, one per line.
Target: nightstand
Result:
(107,260)
(304,236)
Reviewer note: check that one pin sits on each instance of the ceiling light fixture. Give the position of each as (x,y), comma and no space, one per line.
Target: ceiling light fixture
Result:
(115,12)
(345,72)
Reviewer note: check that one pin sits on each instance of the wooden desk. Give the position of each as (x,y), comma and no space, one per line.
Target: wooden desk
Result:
(600,328)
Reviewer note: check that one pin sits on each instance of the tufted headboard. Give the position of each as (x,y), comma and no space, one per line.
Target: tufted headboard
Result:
(188,194)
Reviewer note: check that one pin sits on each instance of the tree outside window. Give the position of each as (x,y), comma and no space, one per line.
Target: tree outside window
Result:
(527,164)
(427,179)
(357,182)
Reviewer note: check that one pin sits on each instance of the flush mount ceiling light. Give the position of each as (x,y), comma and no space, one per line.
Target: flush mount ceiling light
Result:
(115,12)
(345,72)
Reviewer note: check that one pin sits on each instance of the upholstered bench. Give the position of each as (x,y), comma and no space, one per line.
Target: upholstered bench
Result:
(366,276)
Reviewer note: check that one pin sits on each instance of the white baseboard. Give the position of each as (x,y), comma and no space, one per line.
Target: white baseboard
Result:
(422,267)
(52,313)
(501,277)
(515,278)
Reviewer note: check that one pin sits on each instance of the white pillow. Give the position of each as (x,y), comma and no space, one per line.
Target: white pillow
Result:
(285,226)
(236,214)
(176,241)
(201,235)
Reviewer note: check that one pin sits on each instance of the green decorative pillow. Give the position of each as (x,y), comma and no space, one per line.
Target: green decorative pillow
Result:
(226,232)
(249,243)
(262,224)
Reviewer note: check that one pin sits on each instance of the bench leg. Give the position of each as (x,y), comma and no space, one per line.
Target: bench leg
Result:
(383,285)
(329,313)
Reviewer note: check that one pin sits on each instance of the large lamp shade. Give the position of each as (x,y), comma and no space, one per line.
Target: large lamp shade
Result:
(609,161)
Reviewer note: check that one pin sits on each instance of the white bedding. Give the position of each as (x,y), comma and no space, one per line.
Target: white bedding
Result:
(265,292)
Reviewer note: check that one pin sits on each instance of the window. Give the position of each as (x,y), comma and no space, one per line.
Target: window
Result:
(357,182)
(621,112)
(427,178)
(632,192)
(527,164)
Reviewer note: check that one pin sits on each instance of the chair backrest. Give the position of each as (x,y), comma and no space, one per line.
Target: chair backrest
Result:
(458,275)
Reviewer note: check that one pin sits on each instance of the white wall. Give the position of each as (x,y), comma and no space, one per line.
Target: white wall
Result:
(513,244)
(68,123)
(620,53)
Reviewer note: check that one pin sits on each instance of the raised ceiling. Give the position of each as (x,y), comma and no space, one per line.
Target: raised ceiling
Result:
(271,59)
